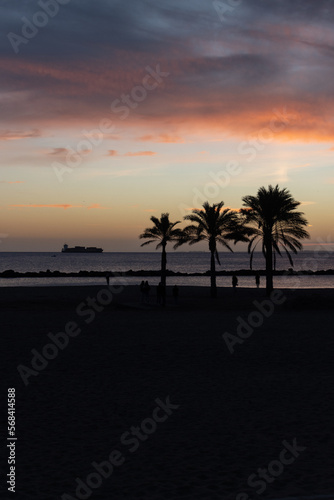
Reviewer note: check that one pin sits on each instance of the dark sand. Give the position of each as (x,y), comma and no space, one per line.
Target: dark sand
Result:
(235,410)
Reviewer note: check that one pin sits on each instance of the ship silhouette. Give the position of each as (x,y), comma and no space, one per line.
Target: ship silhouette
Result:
(78,249)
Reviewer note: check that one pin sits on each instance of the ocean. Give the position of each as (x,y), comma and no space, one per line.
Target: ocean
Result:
(185,262)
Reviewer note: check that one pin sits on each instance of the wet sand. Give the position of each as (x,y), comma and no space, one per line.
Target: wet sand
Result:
(229,415)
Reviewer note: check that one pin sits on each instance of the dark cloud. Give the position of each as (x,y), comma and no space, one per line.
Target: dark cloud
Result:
(90,53)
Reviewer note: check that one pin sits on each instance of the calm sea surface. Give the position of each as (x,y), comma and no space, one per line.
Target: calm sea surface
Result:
(185,262)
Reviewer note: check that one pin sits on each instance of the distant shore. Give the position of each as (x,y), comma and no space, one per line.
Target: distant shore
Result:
(10,273)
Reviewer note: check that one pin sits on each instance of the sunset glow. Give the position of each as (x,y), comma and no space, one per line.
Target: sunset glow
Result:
(115,111)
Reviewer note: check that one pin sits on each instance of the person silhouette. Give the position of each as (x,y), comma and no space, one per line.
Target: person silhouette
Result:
(234,281)
(257,280)
(108,278)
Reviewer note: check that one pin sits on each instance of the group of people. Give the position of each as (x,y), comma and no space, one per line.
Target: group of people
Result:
(235,280)
(145,291)
(161,290)
(161,293)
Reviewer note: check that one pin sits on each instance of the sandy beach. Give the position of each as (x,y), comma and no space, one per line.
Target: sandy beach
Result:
(137,401)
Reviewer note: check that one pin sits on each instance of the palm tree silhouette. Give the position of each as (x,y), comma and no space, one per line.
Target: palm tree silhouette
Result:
(215,226)
(275,221)
(163,231)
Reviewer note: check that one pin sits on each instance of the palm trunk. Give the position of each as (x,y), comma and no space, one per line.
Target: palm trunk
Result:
(269,267)
(213,276)
(163,266)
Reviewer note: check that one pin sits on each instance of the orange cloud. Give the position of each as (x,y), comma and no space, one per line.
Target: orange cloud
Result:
(165,138)
(98,206)
(114,152)
(141,153)
(318,244)
(14,135)
(65,206)
(231,208)
(231,108)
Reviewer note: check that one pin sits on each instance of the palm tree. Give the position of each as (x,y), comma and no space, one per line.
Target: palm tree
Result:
(215,226)
(162,231)
(275,221)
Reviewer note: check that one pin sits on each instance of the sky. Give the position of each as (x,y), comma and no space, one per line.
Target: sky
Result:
(112,111)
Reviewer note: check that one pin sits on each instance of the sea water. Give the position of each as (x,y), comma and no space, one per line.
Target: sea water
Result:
(184,262)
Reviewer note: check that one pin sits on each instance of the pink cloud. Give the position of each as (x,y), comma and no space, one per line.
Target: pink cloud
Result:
(243,110)
(58,151)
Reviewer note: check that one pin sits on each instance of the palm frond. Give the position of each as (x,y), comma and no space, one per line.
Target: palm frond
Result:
(276,221)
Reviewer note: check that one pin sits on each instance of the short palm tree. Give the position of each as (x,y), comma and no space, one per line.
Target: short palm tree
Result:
(215,225)
(275,222)
(162,231)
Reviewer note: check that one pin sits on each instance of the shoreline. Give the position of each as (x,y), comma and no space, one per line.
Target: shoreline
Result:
(9,273)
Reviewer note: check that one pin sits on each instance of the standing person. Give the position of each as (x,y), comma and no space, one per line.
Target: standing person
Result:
(234,281)
(257,280)
(108,278)
(175,293)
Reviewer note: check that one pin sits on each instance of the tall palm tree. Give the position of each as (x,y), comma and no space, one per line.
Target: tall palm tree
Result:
(214,225)
(275,222)
(162,231)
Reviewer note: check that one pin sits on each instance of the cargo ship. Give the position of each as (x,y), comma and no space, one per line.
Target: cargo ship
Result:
(78,249)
